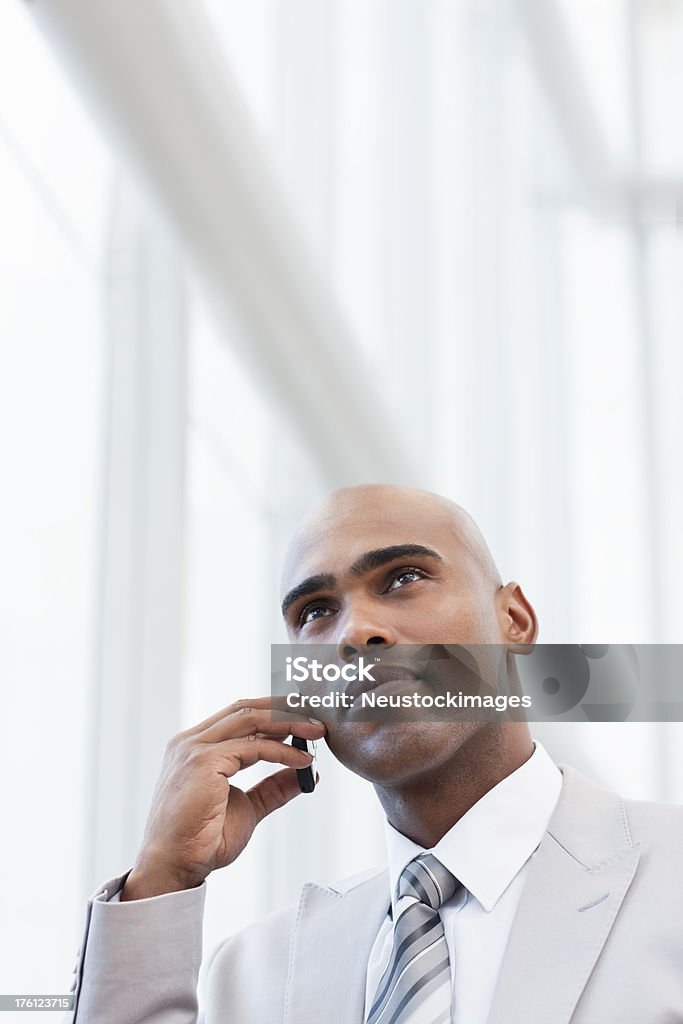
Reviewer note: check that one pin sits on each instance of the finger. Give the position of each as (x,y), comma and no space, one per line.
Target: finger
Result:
(274,703)
(274,792)
(250,720)
(234,755)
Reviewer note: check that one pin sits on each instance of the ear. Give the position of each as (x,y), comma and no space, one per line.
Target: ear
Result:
(516,617)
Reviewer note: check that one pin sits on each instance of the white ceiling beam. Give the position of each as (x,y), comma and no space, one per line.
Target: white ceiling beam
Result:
(566,90)
(158,80)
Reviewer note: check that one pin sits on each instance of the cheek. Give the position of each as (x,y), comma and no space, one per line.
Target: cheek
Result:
(455,622)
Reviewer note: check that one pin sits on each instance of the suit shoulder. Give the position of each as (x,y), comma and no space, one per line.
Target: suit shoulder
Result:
(654,825)
(275,929)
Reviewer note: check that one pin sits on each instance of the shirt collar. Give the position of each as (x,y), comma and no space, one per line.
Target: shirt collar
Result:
(492,842)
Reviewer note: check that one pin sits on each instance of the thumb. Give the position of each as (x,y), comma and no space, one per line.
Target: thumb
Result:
(274,792)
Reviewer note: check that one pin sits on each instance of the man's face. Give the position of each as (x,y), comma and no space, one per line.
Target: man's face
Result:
(383,566)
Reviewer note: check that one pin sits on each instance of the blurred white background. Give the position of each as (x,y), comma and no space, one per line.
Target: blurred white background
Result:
(434,242)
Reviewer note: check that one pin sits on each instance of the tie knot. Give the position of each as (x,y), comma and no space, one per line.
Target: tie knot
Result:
(427,880)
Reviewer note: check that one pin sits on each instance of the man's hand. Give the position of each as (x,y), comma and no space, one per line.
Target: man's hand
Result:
(199,821)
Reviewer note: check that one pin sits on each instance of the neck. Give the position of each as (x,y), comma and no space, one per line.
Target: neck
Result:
(425,808)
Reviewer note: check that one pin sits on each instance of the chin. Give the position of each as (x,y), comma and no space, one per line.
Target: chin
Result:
(395,753)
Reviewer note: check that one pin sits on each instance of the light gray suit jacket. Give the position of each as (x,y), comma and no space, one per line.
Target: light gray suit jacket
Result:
(597,939)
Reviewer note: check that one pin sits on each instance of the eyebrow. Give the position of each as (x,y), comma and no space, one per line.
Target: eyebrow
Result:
(366,563)
(381,556)
(323,581)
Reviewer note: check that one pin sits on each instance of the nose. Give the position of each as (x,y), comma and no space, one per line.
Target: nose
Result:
(361,629)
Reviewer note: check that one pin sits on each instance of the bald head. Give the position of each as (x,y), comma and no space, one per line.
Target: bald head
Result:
(390,504)
(341,564)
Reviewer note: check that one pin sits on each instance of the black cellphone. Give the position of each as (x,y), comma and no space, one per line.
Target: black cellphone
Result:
(305,776)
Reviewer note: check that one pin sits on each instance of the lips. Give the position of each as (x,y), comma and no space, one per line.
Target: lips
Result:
(382,673)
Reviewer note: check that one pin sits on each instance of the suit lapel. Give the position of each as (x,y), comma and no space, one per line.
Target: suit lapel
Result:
(333,937)
(576,884)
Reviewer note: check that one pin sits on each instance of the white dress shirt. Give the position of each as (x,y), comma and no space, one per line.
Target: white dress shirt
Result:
(489,850)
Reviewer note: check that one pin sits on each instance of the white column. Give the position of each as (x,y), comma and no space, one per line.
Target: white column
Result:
(136,685)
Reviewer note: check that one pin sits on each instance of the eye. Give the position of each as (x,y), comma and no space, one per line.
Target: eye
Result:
(403,576)
(314,611)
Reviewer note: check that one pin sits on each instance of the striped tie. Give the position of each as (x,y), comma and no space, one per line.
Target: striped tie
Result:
(416,985)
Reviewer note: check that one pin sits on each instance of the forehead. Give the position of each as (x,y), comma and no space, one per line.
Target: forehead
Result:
(337,535)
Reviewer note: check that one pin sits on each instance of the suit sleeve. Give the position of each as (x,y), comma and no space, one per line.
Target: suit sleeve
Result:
(139,961)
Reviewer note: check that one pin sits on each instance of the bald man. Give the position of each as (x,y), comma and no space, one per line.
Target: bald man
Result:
(516,890)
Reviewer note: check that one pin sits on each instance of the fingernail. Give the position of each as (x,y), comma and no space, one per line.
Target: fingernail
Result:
(315,721)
